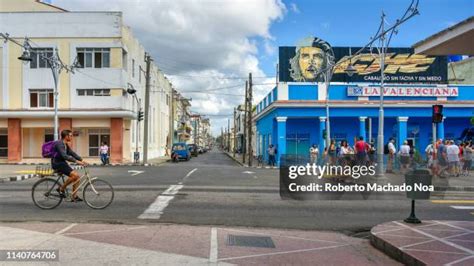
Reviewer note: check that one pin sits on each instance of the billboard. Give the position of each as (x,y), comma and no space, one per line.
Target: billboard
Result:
(300,64)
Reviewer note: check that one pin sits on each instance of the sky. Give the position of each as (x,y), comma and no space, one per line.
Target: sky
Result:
(211,45)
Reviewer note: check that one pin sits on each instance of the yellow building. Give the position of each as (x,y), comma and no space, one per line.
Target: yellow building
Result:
(93,101)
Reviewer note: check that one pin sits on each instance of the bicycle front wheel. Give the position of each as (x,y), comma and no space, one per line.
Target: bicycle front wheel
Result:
(98,194)
(44,194)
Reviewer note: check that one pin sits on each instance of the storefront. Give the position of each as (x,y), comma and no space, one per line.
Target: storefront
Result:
(292,116)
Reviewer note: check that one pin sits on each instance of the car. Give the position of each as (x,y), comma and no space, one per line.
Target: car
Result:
(180,151)
(193,149)
(200,149)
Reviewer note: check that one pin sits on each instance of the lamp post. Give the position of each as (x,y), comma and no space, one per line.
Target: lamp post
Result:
(131,90)
(54,63)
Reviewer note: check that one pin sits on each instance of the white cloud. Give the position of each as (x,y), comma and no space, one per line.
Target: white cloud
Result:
(199,39)
(294,8)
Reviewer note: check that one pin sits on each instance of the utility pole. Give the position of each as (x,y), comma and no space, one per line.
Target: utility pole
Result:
(147,108)
(235,139)
(222,138)
(249,117)
(171,125)
(228,134)
(244,139)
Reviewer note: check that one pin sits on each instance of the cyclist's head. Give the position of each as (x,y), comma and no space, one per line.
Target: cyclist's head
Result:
(66,133)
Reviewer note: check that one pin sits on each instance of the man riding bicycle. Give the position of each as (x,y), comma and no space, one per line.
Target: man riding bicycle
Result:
(59,163)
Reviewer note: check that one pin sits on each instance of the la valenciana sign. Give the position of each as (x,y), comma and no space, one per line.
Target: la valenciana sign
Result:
(404,91)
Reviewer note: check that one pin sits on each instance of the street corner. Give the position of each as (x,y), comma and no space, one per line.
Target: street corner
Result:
(191,244)
(429,243)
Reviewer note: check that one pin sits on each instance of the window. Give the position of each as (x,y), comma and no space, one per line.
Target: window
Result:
(93,57)
(41,98)
(139,74)
(48,135)
(96,137)
(38,56)
(4,142)
(133,68)
(167,99)
(93,92)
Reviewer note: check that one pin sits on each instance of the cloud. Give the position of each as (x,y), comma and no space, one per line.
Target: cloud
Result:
(294,8)
(194,42)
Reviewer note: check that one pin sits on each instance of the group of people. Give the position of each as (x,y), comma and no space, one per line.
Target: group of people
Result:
(361,152)
(448,158)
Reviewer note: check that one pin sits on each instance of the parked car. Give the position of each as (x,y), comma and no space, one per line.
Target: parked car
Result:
(193,149)
(200,149)
(180,151)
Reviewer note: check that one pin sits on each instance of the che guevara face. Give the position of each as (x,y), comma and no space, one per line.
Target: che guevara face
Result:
(311,56)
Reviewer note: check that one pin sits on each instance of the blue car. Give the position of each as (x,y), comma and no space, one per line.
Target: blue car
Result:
(180,151)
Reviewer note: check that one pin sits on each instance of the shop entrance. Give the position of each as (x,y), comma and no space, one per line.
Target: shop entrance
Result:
(298,144)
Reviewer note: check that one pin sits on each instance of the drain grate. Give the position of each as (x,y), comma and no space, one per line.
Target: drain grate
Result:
(250,241)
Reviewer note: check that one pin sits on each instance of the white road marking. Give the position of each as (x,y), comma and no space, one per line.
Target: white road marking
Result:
(444,241)
(67,228)
(135,172)
(104,231)
(463,207)
(459,260)
(214,248)
(248,172)
(155,210)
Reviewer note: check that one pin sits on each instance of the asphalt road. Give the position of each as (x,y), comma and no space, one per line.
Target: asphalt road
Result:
(213,190)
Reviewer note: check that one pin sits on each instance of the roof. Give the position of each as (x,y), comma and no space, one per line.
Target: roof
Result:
(455,40)
(50,5)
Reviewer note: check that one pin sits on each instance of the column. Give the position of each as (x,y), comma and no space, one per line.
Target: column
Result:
(116,140)
(402,130)
(440,129)
(322,128)
(14,140)
(65,123)
(362,132)
(281,134)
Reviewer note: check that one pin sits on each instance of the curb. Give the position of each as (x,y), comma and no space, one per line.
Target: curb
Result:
(393,251)
(28,176)
(96,164)
(235,160)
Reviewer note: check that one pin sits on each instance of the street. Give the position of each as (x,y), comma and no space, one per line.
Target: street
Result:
(214,190)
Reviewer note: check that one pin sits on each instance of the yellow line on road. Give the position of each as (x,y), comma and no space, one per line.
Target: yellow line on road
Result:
(452,201)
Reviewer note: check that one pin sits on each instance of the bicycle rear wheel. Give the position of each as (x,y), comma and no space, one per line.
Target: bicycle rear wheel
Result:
(44,194)
(98,194)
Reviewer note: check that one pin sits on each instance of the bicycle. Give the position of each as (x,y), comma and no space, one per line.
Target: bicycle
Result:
(97,193)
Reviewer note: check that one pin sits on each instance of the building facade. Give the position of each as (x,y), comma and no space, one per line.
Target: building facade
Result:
(293,117)
(93,101)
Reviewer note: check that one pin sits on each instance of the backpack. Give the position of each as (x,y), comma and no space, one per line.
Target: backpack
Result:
(48,149)
(385,149)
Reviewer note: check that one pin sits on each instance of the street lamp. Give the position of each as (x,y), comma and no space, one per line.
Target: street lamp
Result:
(132,91)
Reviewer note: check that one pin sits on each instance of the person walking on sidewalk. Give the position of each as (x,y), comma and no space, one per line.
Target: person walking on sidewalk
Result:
(453,158)
(271,155)
(467,157)
(391,151)
(313,154)
(404,155)
(64,153)
(361,149)
(104,153)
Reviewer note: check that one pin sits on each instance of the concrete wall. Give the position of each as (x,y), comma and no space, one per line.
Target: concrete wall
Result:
(461,72)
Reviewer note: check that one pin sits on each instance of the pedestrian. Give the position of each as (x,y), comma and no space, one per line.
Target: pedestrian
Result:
(314,154)
(467,157)
(104,153)
(391,151)
(372,152)
(331,152)
(271,155)
(361,149)
(453,158)
(404,154)
(430,157)
(442,157)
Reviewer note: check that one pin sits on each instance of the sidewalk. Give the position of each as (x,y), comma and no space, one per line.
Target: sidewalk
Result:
(428,243)
(160,244)
(238,159)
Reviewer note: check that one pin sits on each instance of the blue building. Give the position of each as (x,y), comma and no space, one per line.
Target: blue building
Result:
(292,116)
